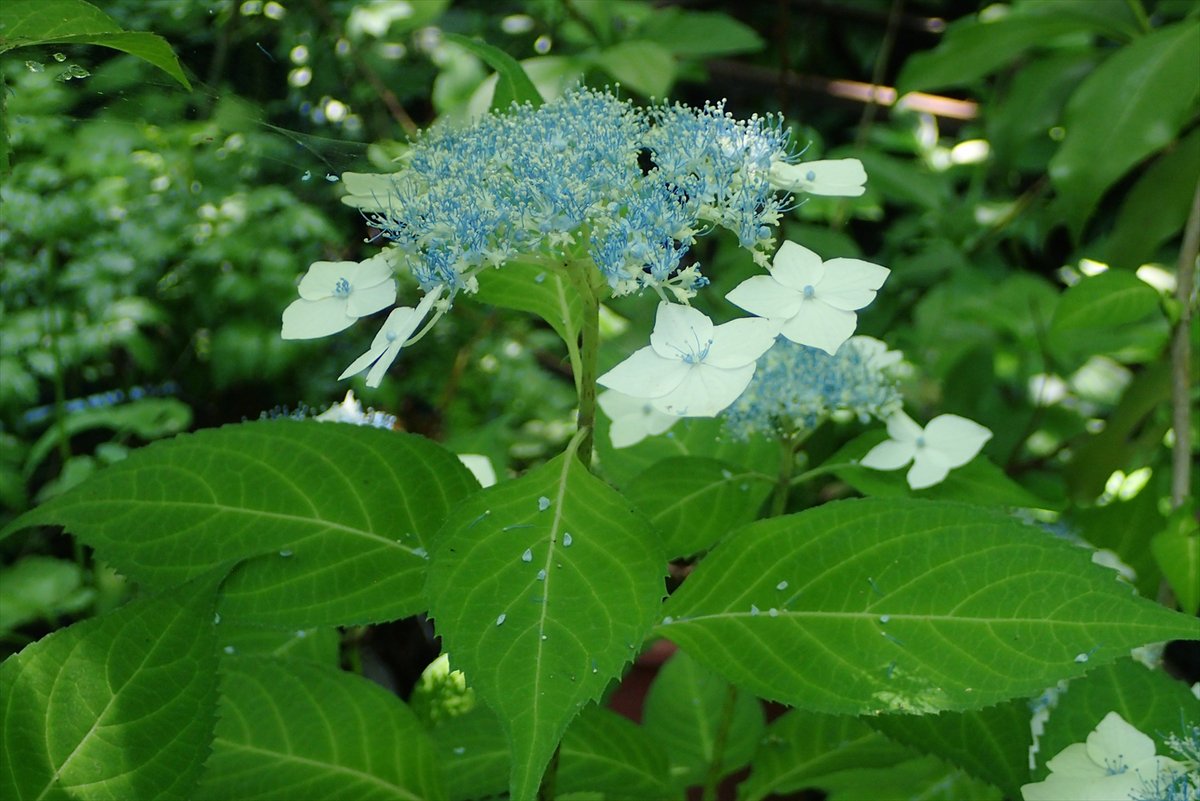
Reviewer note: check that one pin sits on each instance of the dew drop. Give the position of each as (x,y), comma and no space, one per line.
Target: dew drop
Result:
(884,618)
(541,576)
(500,620)
(567,539)
(725,474)
(59,57)
(595,667)
(753,610)
(301,634)
(1081,658)
(460,750)
(539,278)
(285,553)
(527,556)
(307,176)
(668,620)
(333,179)
(773,612)
(35,66)
(783,585)
(543,503)
(543,636)
(216,618)
(229,649)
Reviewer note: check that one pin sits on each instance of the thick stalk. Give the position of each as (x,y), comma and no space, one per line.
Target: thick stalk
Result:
(1181,358)
(713,780)
(585,358)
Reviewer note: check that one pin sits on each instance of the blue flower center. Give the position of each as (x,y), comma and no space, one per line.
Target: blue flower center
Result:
(809,292)
(810,176)
(920,442)
(341,289)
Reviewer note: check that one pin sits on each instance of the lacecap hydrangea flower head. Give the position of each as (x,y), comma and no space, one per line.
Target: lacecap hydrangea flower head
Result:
(586,179)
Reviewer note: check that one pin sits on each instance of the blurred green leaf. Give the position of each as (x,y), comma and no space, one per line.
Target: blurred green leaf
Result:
(1131,106)
(514,85)
(902,182)
(147,671)
(698,34)
(1156,207)
(1032,103)
(683,713)
(24,23)
(913,592)
(319,645)
(1126,527)
(610,754)
(1177,552)
(40,588)
(530,288)
(1103,314)
(645,67)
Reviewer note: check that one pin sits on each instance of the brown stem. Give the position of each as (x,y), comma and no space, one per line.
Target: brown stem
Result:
(1181,358)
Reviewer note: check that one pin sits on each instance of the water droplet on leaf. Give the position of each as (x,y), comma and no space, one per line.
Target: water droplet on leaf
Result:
(783,585)
(527,556)
(567,539)
(500,619)
(35,66)
(543,503)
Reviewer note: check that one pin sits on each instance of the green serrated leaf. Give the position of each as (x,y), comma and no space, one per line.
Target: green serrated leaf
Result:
(542,589)
(902,181)
(24,23)
(1102,313)
(1131,106)
(911,592)
(1032,104)
(316,645)
(800,748)
(645,67)
(295,729)
(991,744)
(1125,527)
(1150,700)
(304,506)
(694,501)
(683,712)
(530,288)
(474,755)
(978,482)
(607,753)
(514,85)
(119,706)
(923,778)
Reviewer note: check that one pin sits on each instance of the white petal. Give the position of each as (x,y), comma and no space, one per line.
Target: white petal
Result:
(850,284)
(371,299)
(958,439)
(928,469)
(372,271)
(740,342)
(627,431)
(645,374)
(365,360)
(1073,762)
(705,391)
(820,325)
(902,428)
(888,455)
(796,267)
(322,276)
(309,319)
(480,467)
(618,404)
(375,374)
(678,330)
(766,297)
(1115,741)
(398,327)
(843,177)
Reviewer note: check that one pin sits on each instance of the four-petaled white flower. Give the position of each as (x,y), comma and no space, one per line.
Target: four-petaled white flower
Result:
(333,294)
(691,367)
(398,327)
(1116,762)
(815,301)
(948,441)
(844,177)
(633,419)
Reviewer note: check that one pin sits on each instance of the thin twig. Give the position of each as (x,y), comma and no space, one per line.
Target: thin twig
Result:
(1181,358)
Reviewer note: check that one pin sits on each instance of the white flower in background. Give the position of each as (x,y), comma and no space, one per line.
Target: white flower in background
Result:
(1115,764)
(398,327)
(351,411)
(633,419)
(948,441)
(691,367)
(874,352)
(333,294)
(814,301)
(844,177)
(480,467)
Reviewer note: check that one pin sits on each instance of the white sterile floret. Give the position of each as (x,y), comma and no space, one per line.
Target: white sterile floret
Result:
(814,301)
(633,419)
(1116,762)
(333,294)
(843,177)
(949,441)
(691,367)
(398,327)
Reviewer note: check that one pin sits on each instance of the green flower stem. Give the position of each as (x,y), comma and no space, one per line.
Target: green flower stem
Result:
(585,353)
(820,471)
(713,779)
(1139,13)
(1181,359)
(783,482)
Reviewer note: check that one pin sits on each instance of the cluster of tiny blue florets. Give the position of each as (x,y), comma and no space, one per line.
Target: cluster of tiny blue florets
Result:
(635,187)
(1177,784)
(795,388)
